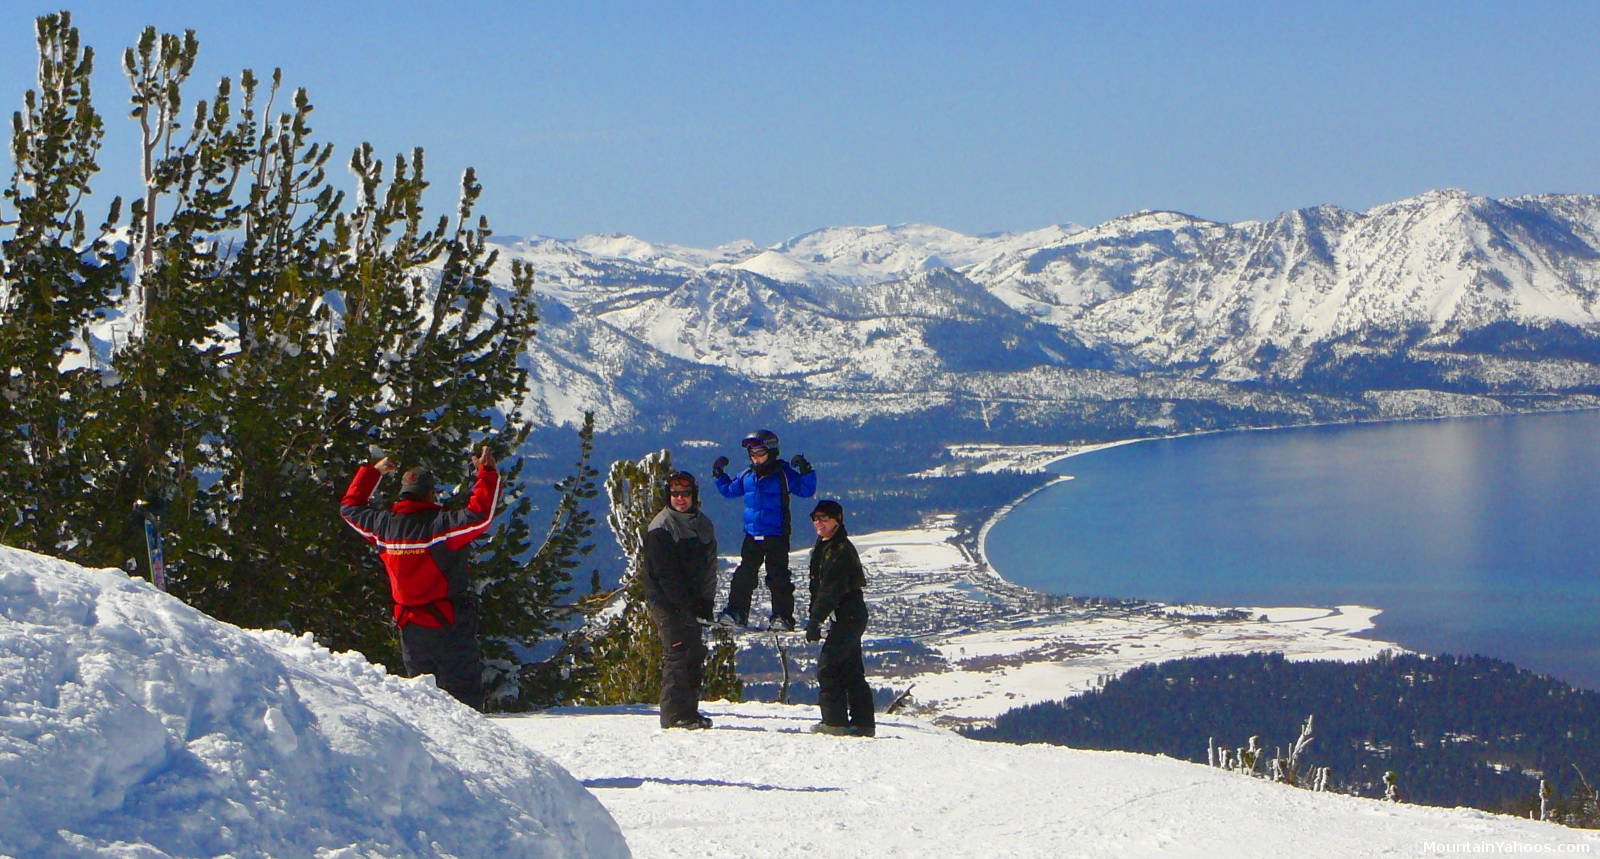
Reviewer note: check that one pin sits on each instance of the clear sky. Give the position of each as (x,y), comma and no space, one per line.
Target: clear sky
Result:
(702,122)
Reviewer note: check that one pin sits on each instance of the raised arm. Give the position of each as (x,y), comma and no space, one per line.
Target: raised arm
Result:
(353,507)
(466,525)
(801,483)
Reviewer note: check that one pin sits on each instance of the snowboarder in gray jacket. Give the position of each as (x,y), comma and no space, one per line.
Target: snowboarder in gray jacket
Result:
(679,573)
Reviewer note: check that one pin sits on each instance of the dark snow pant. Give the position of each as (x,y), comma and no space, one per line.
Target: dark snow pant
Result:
(844,695)
(683,659)
(774,552)
(450,653)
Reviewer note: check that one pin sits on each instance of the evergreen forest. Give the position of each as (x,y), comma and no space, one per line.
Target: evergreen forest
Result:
(1455,730)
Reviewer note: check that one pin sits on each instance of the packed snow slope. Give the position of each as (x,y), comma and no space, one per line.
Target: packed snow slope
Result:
(132,725)
(759,784)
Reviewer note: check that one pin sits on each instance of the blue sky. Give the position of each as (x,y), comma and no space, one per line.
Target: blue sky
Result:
(707,122)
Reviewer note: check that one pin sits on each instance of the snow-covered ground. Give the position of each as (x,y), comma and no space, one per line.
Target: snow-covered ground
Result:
(134,726)
(994,670)
(1019,458)
(758,784)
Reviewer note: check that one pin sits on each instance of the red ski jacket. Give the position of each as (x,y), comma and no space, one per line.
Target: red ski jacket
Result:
(423,545)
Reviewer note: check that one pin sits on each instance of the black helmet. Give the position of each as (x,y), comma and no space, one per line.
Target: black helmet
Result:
(762,438)
(829,508)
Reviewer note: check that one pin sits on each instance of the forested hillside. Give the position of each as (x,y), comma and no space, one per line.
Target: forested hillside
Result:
(1456,730)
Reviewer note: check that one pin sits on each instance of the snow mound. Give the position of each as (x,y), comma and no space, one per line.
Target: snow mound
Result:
(134,725)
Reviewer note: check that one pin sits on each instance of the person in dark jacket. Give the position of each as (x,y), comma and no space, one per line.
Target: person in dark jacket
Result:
(837,581)
(424,550)
(765,486)
(680,581)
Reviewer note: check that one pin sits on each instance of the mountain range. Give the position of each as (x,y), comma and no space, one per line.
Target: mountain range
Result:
(1444,303)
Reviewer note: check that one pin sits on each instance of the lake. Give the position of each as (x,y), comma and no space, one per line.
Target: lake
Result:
(1473,535)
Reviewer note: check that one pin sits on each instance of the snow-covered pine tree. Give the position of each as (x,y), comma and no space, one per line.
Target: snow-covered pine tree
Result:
(1290,765)
(721,680)
(1249,756)
(624,648)
(55,276)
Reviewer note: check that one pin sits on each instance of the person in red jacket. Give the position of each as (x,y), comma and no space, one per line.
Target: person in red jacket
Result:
(424,550)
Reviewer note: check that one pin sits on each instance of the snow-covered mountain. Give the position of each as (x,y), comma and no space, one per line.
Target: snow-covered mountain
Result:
(1258,299)
(1446,291)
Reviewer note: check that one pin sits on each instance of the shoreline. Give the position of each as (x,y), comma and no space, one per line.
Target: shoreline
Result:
(969,645)
(980,539)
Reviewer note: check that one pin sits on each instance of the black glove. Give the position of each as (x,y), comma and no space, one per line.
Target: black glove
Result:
(801,464)
(718,466)
(813,631)
(702,609)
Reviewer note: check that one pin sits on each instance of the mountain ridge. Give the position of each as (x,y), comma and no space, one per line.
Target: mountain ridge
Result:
(1446,291)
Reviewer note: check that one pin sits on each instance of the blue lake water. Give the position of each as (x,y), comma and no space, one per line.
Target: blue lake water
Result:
(1474,535)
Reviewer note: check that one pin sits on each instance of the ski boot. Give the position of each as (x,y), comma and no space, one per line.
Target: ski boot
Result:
(695,722)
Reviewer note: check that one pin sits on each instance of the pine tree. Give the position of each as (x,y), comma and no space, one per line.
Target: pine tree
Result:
(54,280)
(220,325)
(393,332)
(276,336)
(722,681)
(153,433)
(626,652)
(527,600)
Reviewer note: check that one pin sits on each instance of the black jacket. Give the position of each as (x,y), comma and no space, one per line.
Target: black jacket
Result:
(836,575)
(679,568)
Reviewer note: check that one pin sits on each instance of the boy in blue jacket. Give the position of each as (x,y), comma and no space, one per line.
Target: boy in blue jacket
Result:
(766,486)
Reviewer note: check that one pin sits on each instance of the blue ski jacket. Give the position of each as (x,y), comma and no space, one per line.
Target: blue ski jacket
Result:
(766,511)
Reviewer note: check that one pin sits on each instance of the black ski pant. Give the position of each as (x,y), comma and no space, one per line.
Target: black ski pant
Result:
(774,552)
(683,660)
(843,693)
(450,653)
